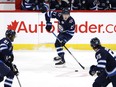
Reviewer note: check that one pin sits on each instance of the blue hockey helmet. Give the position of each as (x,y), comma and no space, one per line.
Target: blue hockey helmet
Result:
(65,11)
(95,43)
(10,33)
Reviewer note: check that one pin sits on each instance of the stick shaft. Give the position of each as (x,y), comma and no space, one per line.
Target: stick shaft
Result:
(18,81)
(69,51)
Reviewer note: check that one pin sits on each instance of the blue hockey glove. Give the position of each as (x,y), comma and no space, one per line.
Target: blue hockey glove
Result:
(48,26)
(92,70)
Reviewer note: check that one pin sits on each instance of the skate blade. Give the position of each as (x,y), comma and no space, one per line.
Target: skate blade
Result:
(61,66)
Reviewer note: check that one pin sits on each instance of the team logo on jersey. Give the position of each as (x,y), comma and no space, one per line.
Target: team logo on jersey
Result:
(71,21)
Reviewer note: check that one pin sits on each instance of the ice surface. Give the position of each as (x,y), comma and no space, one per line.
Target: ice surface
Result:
(37,69)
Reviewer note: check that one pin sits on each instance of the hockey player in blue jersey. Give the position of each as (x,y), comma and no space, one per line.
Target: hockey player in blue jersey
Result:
(106,65)
(99,4)
(34,5)
(7,68)
(66,28)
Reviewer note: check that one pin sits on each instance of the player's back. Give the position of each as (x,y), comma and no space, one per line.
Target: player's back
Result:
(109,56)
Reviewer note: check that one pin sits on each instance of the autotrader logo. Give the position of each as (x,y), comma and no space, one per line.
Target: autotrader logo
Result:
(85,27)
(95,28)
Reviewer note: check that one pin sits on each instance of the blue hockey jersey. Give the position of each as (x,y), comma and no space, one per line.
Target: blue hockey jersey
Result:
(67,27)
(6,48)
(106,59)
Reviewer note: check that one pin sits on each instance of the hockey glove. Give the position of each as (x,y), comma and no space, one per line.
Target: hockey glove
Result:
(62,42)
(48,26)
(98,73)
(15,69)
(9,58)
(92,70)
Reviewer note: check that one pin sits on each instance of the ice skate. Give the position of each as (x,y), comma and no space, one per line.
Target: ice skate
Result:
(60,63)
(57,58)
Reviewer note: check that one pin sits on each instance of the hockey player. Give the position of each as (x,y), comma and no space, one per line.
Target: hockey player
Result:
(7,68)
(106,67)
(104,5)
(66,31)
(79,5)
(66,4)
(60,4)
(113,4)
(28,5)
(34,5)
(55,5)
(99,5)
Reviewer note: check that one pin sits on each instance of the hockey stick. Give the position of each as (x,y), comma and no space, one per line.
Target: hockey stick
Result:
(69,51)
(18,81)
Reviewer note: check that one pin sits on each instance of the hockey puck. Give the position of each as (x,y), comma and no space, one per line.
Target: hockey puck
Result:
(76,70)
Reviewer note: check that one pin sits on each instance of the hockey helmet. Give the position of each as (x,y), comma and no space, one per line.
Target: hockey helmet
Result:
(10,33)
(65,11)
(95,43)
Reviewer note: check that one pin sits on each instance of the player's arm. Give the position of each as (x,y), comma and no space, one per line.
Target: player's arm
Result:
(52,14)
(4,49)
(48,16)
(71,27)
(8,55)
(101,64)
(8,58)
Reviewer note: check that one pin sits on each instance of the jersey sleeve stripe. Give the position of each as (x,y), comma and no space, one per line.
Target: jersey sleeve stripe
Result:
(112,72)
(102,61)
(3,45)
(101,66)
(3,48)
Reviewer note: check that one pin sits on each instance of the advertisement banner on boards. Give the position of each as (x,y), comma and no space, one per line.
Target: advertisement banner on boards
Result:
(30,27)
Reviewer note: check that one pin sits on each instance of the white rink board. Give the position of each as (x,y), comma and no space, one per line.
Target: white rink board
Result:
(88,25)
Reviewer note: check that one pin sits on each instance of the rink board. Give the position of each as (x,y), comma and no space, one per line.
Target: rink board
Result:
(31,33)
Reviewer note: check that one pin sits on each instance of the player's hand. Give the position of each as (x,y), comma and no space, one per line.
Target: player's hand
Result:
(48,26)
(92,70)
(15,70)
(9,58)
(62,42)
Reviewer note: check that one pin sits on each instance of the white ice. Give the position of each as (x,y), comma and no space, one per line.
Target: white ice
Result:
(37,69)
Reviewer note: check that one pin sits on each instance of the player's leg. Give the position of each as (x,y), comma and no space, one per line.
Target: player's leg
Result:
(60,52)
(59,46)
(6,71)
(101,81)
(9,80)
(113,80)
